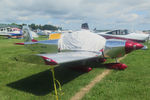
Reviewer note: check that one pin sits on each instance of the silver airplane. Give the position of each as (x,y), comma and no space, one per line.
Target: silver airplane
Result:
(75,53)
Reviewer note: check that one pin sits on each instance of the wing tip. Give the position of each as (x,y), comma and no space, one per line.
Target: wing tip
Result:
(19,43)
(49,61)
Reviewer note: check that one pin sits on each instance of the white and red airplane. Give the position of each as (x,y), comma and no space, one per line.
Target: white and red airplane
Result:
(80,47)
(125,35)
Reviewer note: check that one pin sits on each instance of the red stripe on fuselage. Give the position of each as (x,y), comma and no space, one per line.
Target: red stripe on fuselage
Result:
(112,37)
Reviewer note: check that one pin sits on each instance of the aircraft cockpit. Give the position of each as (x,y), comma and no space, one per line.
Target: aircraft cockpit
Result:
(118,32)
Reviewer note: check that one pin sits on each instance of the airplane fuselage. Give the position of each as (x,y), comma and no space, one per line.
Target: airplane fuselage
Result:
(132,36)
(113,48)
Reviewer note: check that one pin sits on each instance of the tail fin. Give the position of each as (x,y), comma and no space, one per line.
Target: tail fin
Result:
(85,26)
(27,34)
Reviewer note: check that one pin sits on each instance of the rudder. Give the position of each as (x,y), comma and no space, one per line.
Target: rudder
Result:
(27,34)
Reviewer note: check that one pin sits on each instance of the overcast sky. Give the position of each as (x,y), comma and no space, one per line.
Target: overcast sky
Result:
(69,14)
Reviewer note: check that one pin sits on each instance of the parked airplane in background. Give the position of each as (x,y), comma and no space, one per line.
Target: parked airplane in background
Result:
(11,32)
(121,34)
(80,47)
(125,35)
(5,34)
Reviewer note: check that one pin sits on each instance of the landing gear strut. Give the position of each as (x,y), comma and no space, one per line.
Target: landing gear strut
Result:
(116,60)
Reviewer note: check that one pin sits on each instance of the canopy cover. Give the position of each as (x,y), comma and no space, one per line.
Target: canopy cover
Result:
(81,40)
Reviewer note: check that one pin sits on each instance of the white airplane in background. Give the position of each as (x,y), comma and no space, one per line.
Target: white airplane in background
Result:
(79,47)
(10,32)
(5,34)
(125,35)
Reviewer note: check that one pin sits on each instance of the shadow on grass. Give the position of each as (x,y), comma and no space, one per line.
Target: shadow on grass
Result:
(42,83)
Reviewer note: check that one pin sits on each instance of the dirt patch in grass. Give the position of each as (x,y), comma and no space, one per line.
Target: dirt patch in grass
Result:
(87,88)
(79,95)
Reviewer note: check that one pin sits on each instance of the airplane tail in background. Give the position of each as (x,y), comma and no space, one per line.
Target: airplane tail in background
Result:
(27,35)
(85,26)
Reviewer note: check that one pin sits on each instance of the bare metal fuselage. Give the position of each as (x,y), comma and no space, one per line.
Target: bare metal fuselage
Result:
(113,48)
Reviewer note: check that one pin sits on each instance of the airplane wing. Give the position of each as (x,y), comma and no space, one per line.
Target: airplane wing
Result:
(66,57)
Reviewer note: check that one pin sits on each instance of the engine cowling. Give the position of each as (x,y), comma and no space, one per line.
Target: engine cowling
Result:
(118,48)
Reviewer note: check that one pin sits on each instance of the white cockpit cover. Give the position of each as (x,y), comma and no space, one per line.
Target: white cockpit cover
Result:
(81,40)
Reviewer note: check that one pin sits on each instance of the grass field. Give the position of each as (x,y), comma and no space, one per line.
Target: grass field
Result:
(26,81)
(131,84)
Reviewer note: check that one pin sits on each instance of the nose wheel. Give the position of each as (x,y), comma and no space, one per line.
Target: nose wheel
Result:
(118,66)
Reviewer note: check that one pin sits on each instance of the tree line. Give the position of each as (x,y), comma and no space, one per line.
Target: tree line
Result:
(41,27)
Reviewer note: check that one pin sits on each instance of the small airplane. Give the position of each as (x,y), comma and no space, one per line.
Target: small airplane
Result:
(5,35)
(11,32)
(80,46)
(125,35)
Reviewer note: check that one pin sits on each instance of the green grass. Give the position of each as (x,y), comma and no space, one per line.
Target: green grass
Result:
(26,81)
(130,84)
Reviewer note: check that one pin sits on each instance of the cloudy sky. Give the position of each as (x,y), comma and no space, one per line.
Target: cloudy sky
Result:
(69,14)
